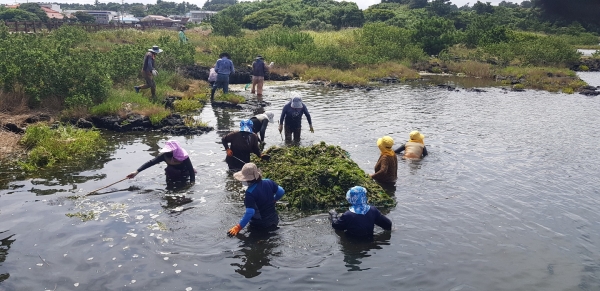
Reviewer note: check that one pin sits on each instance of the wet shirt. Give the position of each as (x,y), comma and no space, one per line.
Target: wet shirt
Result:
(386,169)
(242,144)
(259,68)
(413,150)
(293,116)
(262,200)
(186,168)
(148,62)
(361,225)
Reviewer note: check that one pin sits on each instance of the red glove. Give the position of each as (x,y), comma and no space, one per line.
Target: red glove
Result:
(234,230)
(229,153)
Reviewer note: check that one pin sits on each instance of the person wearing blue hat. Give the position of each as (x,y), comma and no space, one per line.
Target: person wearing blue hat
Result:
(149,71)
(240,144)
(361,218)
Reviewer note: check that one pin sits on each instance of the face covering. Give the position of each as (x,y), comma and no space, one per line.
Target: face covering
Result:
(245,183)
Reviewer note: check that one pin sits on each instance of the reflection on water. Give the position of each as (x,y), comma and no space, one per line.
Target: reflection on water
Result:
(507,199)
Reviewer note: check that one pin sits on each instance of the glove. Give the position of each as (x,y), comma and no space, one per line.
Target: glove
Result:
(265,157)
(332,214)
(280,128)
(155,72)
(229,153)
(234,230)
(132,175)
(312,129)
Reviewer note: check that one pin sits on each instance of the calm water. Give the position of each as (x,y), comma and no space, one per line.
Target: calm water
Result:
(507,200)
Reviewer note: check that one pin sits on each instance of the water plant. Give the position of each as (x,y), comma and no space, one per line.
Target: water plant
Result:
(318,176)
(65,144)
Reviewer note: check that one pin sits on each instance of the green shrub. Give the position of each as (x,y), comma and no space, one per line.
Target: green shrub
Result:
(66,144)
(584,68)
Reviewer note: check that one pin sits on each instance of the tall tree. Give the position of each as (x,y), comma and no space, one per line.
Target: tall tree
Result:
(35,9)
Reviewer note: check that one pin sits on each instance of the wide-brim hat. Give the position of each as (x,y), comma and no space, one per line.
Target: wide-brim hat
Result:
(249,172)
(155,49)
(270,116)
(297,102)
(386,141)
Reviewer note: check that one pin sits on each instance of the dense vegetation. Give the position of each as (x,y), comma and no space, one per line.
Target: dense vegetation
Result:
(318,176)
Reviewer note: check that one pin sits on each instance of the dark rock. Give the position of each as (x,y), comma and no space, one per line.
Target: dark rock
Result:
(476,90)
(172,120)
(13,128)
(447,87)
(589,92)
(38,118)
(82,123)
(588,88)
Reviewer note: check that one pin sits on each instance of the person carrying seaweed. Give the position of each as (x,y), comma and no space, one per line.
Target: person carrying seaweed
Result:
(386,168)
(361,218)
(260,123)
(179,167)
(240,144)
(259,200)
(414,148)
(292,115)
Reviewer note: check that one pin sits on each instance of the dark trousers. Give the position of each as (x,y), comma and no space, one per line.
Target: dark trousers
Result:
(222,82)
(289,132)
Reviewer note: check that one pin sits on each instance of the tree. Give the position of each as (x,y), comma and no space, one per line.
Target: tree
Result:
(218,5)
(441,7)
(84,17)
(138,11)
(508,4)
(378,15)
(416,4)
(435,34)
(35,9)
(526,4)
(584,11)
(481,8)
(225,25)
(17,15)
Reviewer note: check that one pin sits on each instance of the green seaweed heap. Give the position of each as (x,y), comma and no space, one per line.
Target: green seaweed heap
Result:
(318,177)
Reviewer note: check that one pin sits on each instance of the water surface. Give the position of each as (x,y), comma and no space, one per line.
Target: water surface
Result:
(508,199)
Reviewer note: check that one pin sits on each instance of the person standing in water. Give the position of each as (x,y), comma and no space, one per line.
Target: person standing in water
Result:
(260,123)
(414,148)
(259,70)
(261,196)
(179,167)
(292,115)
(224,68)
(386,168)
(360,219)
(239,145)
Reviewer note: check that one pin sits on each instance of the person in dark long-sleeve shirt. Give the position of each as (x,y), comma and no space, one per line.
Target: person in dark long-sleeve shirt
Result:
(361,218)
(179,167)
(239,145)
(260,123)
(291,117)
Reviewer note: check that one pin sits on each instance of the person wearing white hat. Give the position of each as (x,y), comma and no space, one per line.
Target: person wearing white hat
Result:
(259,200)
(292,115)
(149,71)
(260,123)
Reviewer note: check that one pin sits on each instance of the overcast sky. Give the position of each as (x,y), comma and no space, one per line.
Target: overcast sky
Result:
(362,4)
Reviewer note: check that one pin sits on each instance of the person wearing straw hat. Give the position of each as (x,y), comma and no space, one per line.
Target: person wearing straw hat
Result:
(259,200)
(414,148)
(292,114)
(179,167)
(361,218)
(386,168)
(260,123)
(240,144)
(149,71)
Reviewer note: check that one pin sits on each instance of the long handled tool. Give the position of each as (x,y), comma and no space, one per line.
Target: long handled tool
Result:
(280,132)
(107,186)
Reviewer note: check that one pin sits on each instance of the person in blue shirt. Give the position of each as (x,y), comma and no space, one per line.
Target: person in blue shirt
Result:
(223,67)
(292,115)
(259,201)
(361,218)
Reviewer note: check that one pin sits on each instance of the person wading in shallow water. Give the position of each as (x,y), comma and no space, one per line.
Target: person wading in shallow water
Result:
(259,200)
(240,144)
(223,67)
(292,114)
(361,218)
(386,168)
(149,71)
(179,167)
(414,148)
(260,123)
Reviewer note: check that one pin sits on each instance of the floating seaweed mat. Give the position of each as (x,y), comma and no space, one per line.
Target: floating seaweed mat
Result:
(318,177)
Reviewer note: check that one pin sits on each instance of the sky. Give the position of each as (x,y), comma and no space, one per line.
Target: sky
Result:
(362,4)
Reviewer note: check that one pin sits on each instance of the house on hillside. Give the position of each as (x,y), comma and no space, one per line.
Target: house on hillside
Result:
(196,16)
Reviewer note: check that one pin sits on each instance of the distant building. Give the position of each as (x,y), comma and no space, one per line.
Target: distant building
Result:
(102,17)
(52,9)
(52,13)
(126,18)
(196,16)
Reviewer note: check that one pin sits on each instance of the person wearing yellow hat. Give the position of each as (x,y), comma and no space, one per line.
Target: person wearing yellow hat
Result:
(386,168)
(414,148)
